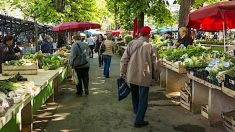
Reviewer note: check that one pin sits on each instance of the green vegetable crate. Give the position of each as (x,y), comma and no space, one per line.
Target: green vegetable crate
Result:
(175,66)
(8,70)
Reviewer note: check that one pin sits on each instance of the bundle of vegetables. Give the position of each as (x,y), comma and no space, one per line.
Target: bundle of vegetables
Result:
(196,51)
(212,41)
(14,63)
(17,78)
(216,67)
(36,56)
(173,54)
(197,61)
(121,43)
(9,86)
(52,62)
(230,72)
(180,54)
(5,103)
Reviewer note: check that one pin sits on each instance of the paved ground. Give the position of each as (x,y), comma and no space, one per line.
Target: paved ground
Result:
(101,112)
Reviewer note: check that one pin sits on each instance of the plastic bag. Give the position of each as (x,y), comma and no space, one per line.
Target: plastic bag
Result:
(75,77)
(123,89)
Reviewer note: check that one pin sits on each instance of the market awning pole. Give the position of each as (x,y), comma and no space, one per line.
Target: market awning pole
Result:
(224,36)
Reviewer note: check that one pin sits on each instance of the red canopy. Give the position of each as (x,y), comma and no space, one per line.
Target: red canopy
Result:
(75,26)
(117,32)
(211,17)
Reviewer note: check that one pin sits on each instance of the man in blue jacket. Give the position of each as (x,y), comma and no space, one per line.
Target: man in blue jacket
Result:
(47,46)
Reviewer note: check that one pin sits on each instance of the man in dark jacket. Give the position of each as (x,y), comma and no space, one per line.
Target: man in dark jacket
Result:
(47,46)
(7,52)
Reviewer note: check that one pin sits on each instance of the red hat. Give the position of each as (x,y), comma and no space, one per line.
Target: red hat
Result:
(8,38)
(146,30)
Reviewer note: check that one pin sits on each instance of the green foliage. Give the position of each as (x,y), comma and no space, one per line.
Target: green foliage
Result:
(128,39)
(199,3)
(120,43)
(127,10)
(181,54)
(52,62)
(45,11)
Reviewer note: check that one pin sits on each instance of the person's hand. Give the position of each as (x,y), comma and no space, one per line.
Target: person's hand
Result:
(123,76)
(17,54)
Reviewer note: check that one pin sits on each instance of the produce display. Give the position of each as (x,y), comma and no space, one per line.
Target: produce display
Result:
(212,41)
(49,62)
(13,91)
(206,64)
(181,54)
(52,62)
(22,62)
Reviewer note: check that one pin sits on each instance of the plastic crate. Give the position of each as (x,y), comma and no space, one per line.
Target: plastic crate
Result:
(229,82)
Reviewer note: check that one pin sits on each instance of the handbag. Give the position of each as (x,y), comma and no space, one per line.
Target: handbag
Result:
(123,89)
(80,60)
(102,48)
(75,77)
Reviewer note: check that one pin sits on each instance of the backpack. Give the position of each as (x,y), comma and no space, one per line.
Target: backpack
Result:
(80,60)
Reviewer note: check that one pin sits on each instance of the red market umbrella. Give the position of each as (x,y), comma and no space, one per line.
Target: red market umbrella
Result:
(116,32)
(218,16)
(75,26)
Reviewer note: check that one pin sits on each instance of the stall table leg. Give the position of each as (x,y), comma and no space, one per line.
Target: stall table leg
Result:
(200,95)
(27,118)
(219,103)
(174,81)
(163,77)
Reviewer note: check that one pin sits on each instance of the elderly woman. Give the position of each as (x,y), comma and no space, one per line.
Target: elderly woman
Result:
(184,38)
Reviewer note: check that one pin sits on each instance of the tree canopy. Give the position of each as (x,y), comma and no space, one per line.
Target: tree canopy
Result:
(46,11)
(127,10)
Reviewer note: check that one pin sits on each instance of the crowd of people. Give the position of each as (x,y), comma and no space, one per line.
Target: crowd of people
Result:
(138,65)
(81,53)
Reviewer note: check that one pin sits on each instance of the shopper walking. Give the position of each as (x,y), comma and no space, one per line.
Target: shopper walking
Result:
(138,66)
(107,54)
(99,40)
(91,44)
(79,60)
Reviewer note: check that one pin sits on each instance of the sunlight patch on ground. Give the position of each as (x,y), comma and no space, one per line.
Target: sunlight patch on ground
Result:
(70,130)
(101,92)
(61,116)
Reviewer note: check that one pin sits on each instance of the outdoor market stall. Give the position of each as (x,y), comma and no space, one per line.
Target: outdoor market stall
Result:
(214,93)
(44,89)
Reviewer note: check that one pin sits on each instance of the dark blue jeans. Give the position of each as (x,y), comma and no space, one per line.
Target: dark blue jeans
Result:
(139,101)
(107,62)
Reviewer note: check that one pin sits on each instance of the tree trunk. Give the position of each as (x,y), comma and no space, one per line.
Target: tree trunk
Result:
(60,4)
(140,21)
(185,6)
(115,14)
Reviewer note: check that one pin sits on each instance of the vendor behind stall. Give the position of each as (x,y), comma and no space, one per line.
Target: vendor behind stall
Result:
(184,38)
(7,52)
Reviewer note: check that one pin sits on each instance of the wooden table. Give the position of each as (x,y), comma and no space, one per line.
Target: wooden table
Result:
(174,75)
(19,117)
(204,93)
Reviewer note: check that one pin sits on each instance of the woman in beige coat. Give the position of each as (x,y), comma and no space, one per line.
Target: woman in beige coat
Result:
(107,55)
(138,66)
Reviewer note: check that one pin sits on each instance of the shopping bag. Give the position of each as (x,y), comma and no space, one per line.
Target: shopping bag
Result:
(75,77)
(123,89)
